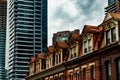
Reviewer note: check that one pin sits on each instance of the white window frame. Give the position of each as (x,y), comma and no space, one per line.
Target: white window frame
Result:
(77,74)
(58,58)
(117,35)
(73,51)
(91,43)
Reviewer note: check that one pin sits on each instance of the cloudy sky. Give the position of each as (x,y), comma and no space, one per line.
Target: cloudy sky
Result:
(73,14)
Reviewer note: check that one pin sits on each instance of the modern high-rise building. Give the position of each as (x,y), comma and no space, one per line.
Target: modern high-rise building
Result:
(3,10)
(27,33)
(113,6)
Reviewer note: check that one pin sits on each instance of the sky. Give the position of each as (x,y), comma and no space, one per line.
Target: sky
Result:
(73,14)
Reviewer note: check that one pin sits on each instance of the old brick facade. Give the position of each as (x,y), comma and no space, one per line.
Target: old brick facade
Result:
(92,55)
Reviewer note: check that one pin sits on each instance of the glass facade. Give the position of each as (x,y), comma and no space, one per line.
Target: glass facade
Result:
(110,1)
(3,9)
(27,23)
(112,7)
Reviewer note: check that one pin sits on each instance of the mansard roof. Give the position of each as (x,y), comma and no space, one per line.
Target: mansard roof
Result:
(90,29)
(75,37)
(61,45)
(41,55)
(50,49)
(32,59)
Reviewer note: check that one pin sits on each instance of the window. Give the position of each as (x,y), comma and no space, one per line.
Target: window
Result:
(108,36)
(71,75)
(56,78)
(77,75)
(118,69)
(108,71)
(37,66)
(32,69)
(92,73)
(50,60)
(51,78)
(58,58)
(111,35)
(84,74)
(110,1)
(87,45)
(47,63)
(74,49)
(73,52)
(61,77)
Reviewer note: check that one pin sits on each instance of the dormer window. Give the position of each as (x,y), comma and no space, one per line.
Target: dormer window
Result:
(113,34)
(87,45)
(32,69)
(57,58)
(49,62)
(73,52)
(110,35)
(71,75)
(37,66)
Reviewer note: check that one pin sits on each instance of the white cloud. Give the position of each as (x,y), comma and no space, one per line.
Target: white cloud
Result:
(73,14)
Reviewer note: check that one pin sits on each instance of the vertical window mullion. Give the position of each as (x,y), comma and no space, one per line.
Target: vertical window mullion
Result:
(108,36)
(89,45)
(84,74)
(85,46)
(59,58)
(118,69)
(77,75)
(71,75)
(108,71)
(92,73)
(113,34)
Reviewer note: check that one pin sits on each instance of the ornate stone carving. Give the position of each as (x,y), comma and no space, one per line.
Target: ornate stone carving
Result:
(87,36)
(109,25)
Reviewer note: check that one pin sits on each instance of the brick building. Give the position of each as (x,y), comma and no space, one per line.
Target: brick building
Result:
(92,55)
(63,36)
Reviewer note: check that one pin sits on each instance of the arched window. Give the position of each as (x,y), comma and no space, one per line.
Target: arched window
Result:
(108,70)
(77,75)
(118,69)
(84,74)
(92,73)
(71,75)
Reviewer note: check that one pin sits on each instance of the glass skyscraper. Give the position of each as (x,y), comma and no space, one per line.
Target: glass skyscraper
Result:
(113,6)
(27,33)
(3,10)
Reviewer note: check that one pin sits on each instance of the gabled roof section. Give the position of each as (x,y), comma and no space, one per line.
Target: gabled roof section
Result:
(90,29)
(111,15)
(50,49)
(41,55)
(32,59)
(61,45)
(75,37)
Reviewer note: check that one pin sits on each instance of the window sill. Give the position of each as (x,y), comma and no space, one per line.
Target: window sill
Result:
(73,58)
(111,43)
(88,52)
